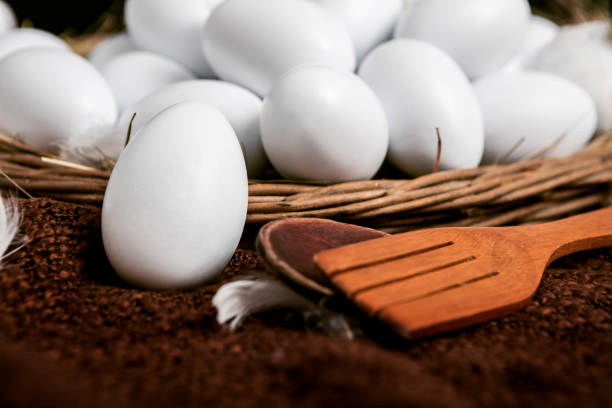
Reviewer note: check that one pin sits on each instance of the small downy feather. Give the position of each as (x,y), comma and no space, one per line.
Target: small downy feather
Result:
(10,221)
(242,298)
(92,149)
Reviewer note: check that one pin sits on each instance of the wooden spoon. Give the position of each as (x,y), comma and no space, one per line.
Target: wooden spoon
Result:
(287,247)
(429,281)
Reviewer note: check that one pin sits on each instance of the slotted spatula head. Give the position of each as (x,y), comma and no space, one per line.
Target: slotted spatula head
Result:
(425,282)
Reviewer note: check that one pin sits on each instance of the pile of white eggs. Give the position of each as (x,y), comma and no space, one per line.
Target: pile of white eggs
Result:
(320,89)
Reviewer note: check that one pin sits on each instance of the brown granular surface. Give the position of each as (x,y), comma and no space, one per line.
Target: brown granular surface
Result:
(71,334)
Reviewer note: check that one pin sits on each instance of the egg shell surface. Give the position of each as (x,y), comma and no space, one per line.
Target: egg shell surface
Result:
(409,3)
(49,97)
(540,33)
(583,55)
(171,28)
(534,111)
(215,3)
(110,48)
(322,123)
(253,42)
(369,22)
(7,18)
(136,74)
(481,35)
(175,208)
(22,38)
(421,88)
(597,30)
(241,107)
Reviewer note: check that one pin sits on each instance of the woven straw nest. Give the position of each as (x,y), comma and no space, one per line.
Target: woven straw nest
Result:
(529,191)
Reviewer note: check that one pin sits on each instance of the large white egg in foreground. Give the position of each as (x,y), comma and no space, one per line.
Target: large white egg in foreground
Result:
(241,107)
(481,35)
(533,112)
(253,42)
(176,202)
(134,75)
(51,98)
(369,22)
(171,28)
(421,89)
(322,123)
(22,38)
(7,18)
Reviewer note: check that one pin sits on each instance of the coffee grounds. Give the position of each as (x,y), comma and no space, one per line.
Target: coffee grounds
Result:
(72,334)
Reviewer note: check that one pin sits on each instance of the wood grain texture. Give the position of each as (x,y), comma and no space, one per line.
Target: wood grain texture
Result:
(429,281)
(287,247)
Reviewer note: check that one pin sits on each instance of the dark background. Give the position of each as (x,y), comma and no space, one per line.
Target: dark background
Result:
(65,15)
(78,16)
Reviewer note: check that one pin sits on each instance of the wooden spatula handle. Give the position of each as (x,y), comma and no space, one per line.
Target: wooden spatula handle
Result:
(583,232)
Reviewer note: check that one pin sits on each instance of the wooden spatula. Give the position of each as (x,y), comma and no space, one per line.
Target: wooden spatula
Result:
(426,282)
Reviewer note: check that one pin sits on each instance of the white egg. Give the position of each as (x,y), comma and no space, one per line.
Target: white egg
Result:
(540,33)
(598,30)
(527,113)
(322,123)
(369,22)
(421,89)
(481,35)
(399,25)
(175,207)
(136,74)
(409,3)
(215,3)
(109,48)
(22,38)
(7,18)
(171,28)
(50,97)
(241,107)
(583,55)
(253,42)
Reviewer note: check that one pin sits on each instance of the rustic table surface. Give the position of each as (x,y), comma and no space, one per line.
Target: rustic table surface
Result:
(71,334)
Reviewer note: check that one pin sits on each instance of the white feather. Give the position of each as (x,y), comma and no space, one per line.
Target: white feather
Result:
(93,148)
(237,300)
(10,220)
